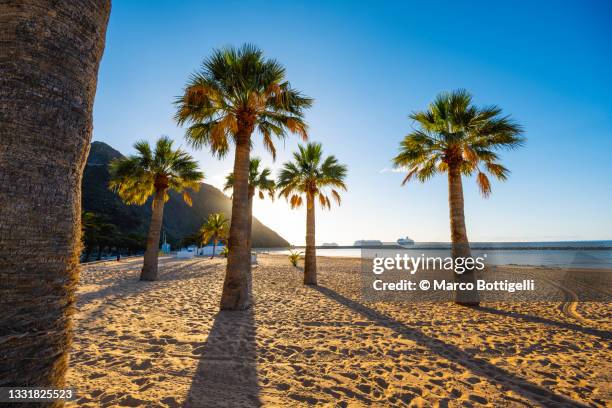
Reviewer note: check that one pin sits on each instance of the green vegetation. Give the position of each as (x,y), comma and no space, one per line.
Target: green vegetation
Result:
(100,235)
(216,229)
(224,252)
(181,222)
(236,92)
(309,176)
(295,256)
(153,173)
(458,138)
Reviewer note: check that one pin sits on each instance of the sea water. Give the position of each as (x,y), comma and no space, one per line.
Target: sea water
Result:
(566,254)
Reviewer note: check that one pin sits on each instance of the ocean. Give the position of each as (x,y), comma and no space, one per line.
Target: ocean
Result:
(565,254)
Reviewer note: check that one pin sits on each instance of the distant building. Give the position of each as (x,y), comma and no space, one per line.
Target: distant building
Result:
(208,250)
(329,244)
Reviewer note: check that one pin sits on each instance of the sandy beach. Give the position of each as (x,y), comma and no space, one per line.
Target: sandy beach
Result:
(164,344)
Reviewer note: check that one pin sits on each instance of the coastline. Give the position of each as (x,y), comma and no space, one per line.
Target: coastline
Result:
(542,256)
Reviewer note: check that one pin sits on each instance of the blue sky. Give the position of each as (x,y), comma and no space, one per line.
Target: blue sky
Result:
(368,65)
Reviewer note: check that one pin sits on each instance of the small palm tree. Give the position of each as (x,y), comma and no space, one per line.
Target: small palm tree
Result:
(224,252)
(309,175)
(237,92)
(215,229)
(258,183)
(294,257)
(455,137)
(153,173)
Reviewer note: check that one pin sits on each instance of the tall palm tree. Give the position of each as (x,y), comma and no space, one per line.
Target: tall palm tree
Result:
(237,92)
(153,173)
(215,229)
(258,183)
(455,137)
(310,176)
(49,61)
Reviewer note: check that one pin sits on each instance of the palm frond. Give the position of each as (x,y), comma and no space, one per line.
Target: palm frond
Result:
(484,184)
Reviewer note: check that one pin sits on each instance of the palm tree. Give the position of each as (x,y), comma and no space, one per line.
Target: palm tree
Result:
(49,61)
(237,92)
(455,137)
(215,229)
(258,183)
(153,173)
(91,226)
(97,232)
(295,256)
(309,176)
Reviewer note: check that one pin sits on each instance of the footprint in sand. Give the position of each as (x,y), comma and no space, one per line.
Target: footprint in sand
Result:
(478,399)
(144,365)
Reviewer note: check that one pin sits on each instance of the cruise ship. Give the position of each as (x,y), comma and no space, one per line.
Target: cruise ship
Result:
(405,241)
(368,242)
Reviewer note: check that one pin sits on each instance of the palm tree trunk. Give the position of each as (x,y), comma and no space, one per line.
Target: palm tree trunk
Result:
(460,244)
(149,267)
(310,259)
(214,248)
(236,293)
(250,234)
(49,58)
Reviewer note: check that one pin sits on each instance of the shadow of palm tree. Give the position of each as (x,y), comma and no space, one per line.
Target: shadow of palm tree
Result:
(227,373)
(603,334)
(130,285)
(478,366)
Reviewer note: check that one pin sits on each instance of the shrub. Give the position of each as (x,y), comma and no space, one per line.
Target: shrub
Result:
(294,257)
(224,252)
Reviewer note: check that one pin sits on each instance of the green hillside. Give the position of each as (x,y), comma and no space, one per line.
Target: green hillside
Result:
(180,220)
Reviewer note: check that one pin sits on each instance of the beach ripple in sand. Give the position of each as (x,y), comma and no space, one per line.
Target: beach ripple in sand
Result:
(165,344)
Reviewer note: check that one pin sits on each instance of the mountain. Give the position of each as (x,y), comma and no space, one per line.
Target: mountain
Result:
(180,220)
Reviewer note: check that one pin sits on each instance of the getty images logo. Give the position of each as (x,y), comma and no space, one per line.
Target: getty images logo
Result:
(411,264)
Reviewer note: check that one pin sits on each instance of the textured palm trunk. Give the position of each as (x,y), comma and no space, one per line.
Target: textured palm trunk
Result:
(460,244)
(250,234)
(49,58)
(149,267)
(214,248)
(236,293)
(310,259)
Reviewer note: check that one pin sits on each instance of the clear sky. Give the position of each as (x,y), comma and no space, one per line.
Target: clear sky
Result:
(368,65)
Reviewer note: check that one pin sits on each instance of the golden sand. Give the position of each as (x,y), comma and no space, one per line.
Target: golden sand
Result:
(165,344)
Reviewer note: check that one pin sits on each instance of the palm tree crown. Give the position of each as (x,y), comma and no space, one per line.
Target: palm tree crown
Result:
(455,133)
(310,175)
(137,177)
(235,92)
(216,228)
(259,182)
